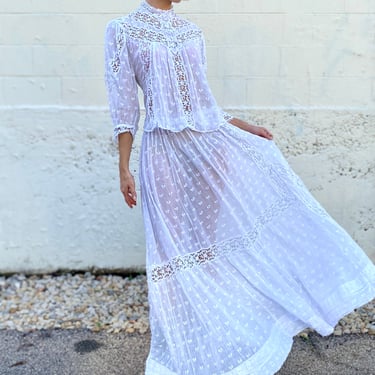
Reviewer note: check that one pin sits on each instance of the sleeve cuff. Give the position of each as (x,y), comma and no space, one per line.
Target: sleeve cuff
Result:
(122,128)
(227,117)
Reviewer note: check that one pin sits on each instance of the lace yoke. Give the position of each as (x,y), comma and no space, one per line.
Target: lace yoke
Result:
(164,55)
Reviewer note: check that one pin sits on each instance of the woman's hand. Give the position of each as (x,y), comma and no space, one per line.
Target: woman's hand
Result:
(254,129)
(127,187)
(260,131)
(127,184)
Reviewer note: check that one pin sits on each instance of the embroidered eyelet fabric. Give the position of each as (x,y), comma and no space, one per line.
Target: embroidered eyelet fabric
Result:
(240,256)
(164,55)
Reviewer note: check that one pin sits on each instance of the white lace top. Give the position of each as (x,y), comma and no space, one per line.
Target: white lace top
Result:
(165,55)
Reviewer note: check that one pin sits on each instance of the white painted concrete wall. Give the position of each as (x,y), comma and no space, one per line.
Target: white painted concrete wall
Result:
(304,68)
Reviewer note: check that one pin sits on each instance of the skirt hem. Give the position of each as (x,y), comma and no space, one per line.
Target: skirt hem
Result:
(267,361)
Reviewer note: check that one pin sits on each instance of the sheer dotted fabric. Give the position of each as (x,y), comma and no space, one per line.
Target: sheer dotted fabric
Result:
(240,256)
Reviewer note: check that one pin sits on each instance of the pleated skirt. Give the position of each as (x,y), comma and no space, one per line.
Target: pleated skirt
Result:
(240,256)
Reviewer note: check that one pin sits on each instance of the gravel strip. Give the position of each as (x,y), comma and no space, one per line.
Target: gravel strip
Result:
(103,302)
(108,303)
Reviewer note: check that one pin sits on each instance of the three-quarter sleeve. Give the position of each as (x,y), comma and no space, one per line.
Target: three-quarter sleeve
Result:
(120,82)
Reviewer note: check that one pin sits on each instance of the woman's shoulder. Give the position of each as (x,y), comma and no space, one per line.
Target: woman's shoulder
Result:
(135,26)
(119,22)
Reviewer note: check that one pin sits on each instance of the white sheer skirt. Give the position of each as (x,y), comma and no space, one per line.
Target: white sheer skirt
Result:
(240,256)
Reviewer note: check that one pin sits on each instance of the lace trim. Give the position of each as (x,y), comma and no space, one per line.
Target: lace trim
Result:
(146,61)
(227,117)
(159,21)
(191,260)
(149,8)
(122,128)
(283,176)
(152,34)
(183,87)
(120,42)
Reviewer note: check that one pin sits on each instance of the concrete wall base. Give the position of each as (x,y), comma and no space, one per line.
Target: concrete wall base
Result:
(60,203)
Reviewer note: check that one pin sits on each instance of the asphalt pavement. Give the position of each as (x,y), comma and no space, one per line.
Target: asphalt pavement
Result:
(83,352)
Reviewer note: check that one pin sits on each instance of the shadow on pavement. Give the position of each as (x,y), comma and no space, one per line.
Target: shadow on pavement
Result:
(82,352)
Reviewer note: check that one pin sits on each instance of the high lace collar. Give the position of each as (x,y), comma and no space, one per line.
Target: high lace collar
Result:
(156,11)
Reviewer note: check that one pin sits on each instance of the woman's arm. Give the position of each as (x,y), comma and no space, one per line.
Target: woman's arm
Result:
(127,184)
(120,81)
(254,129)
(123,103)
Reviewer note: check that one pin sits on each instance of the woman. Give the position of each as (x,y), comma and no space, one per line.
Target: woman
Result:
(240,257)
